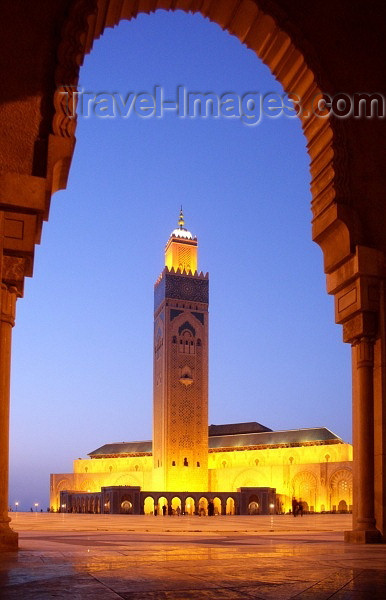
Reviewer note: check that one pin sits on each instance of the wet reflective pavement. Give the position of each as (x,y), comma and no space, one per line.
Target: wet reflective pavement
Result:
(97,557)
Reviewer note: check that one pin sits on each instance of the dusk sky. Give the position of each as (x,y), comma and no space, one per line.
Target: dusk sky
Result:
(82,345)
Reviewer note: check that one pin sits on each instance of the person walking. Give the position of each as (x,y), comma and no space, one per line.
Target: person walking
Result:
(295,506)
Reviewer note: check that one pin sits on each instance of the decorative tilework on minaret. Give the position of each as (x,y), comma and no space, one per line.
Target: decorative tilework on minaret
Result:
(180,413)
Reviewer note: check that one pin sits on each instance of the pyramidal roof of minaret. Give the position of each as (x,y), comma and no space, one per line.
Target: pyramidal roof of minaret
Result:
(181,231)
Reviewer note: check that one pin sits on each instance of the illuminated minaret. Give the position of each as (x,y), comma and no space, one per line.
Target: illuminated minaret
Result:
(180,412)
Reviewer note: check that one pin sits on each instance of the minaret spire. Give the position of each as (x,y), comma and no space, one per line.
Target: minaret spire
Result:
(181,248)
(181,220)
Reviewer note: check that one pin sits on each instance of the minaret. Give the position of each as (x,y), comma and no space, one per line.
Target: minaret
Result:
(180,411)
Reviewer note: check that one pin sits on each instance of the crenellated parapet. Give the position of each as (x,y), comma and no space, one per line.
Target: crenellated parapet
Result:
(176,284)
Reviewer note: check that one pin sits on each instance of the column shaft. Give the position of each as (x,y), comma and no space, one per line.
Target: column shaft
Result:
(365,436)
(363,429)
(8,538)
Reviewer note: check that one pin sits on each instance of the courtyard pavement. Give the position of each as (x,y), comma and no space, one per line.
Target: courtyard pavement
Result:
(115,557)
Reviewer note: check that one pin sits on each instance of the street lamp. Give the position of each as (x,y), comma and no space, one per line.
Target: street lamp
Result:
(63,507)
(16,505)
(271,506)
(36,506)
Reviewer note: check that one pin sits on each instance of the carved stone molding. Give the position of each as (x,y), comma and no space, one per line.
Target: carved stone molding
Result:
(8,297)
(365,351)
(15,268)
(264,28)
(71,53)
(362,326)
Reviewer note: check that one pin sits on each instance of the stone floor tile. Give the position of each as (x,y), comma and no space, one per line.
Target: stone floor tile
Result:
(64,588)
(115,564)
(284,591)
(359,595)
(215,594)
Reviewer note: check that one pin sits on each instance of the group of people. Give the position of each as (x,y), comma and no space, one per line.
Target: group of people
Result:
(169,510)
(297,507)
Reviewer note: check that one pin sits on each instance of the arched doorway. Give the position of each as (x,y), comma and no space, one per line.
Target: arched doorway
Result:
(305,488)
(230,506)
(126,507)
(203,507)
(253,505)
(162,506)
(176,505)
(148,505)
(217,506)
(341,484)
(190,506)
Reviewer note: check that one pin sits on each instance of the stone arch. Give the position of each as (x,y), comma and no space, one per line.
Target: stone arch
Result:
(250,478)
(161,502)
(203,506)
(217,505)
(273,40)
(305,487)
(230,506)
(148,505)
(63,485)
(175,503)
(339,475)
(189,505)
(253,505)
(282,47)
(341,490)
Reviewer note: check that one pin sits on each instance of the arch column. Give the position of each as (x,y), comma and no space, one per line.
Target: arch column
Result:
(8,295)
(356,285)
(364,523)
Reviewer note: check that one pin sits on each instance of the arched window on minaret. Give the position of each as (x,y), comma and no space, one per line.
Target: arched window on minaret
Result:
(187,345)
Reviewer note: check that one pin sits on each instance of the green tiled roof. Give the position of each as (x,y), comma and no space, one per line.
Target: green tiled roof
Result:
(234,428)
(122,448)
(273,438)
(235,440)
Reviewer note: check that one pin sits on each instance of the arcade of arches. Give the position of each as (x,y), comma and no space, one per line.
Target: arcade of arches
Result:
(130,500)
(43,45)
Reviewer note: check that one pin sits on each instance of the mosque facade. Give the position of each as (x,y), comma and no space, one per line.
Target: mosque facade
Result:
(239,468)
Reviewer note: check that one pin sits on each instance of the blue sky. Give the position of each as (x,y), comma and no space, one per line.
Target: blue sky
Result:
(82,346)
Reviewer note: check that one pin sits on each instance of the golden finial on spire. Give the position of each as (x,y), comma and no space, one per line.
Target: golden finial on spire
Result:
(181,220)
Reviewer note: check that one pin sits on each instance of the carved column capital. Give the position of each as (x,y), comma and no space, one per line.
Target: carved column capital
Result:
(361,327)
(365,351)
(8,297)
(356,286)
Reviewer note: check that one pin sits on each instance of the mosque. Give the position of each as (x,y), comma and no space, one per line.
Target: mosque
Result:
(239,468)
